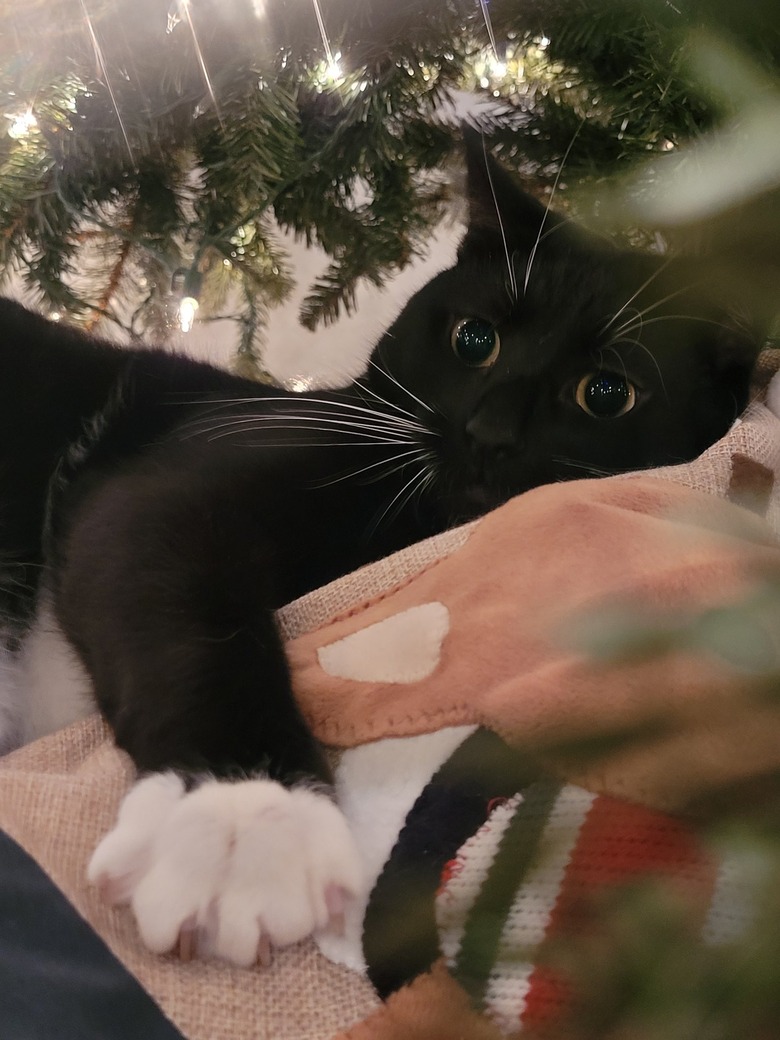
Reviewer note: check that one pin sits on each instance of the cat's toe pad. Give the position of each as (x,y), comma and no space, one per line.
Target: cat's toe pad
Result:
(229,869)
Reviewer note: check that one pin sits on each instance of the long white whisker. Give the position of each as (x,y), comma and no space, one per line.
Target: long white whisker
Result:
(406,433)
(489,26)
(425,483)
(619,356)
(293,422)
(411,417)
(395,419)
(418,453)
(425,459)
(509,264)
(511,288)
(630,300)
(532,256)
(278,443)
(407,493)
(636,342)
(637,317)
(596,471)
(290,441)
(269,423)
(377,424)
(297,400)
(398,501)
(628,327)
(400,386)
(562,223)
(684,317)
(334,407)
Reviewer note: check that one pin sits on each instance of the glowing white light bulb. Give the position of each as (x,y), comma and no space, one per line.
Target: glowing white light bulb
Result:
(335,73)
(298,384)
(497,68)
(188,308)
(177,13)
(22,125)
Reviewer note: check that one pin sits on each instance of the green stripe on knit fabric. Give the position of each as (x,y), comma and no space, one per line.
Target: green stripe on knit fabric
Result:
(516,854)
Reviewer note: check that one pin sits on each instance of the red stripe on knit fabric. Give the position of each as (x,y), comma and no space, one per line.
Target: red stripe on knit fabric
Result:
(618,842)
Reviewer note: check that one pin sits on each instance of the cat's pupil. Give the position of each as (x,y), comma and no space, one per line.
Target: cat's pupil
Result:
(475,342)
(605,395)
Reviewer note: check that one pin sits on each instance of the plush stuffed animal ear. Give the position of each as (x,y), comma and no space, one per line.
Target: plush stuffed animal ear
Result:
(500,213)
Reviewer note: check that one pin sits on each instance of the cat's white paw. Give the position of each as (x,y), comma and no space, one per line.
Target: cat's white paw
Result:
(229,869)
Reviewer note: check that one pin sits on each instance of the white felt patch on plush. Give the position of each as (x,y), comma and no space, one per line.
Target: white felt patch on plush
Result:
(235,867)
(376,786)
(773,395)
(404,648)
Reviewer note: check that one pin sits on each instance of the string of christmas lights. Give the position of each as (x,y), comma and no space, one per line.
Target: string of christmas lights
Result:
(141,142)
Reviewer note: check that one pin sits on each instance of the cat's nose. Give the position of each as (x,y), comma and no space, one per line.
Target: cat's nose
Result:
(492,431)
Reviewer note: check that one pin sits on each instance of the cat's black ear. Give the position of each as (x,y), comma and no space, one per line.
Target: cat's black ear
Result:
(499,211)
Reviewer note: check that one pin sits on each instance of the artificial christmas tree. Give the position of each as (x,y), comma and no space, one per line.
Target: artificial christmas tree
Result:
(150,153)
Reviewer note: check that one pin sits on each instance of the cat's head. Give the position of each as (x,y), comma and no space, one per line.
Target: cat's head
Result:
(547,354)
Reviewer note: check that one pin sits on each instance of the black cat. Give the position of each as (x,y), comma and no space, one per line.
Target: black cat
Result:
(165,508)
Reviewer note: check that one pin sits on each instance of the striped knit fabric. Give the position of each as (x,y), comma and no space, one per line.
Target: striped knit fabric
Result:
(526,877)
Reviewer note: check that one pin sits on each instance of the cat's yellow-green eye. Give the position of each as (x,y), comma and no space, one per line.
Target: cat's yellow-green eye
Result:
(475,342)
(605,395)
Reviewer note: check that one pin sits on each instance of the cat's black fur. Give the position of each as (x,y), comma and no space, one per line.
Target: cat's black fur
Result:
(169,506)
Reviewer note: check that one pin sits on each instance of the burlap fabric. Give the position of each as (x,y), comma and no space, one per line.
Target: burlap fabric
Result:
(57,798)
(60,795)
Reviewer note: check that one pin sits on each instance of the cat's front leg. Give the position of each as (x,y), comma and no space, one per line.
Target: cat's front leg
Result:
(230,843)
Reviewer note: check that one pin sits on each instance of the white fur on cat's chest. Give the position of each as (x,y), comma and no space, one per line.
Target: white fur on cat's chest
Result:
(43,685)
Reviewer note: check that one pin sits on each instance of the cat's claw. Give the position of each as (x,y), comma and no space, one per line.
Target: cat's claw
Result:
(265,957)
(229,869)
(113,891)
(335,900)
(187,944)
